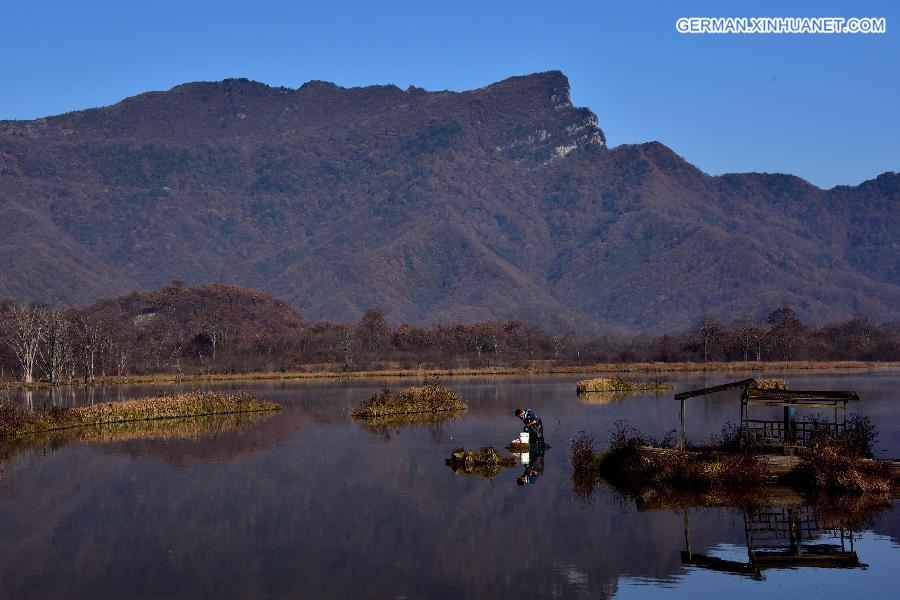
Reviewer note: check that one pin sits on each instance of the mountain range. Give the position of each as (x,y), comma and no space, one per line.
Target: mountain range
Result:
(495,203)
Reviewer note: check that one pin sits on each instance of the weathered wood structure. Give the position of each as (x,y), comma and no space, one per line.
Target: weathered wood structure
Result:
(781,537)
(786,432)
(682,396)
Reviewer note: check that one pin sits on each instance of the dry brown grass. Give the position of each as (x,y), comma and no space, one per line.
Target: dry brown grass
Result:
(431,397)
(15,422)
(617,384)
(637,466)
(485,462)
(193,428)
(771,384)
(841,462)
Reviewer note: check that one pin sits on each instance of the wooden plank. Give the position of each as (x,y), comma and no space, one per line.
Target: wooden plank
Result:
(718,564)
(716,388)
(801,403)
(800,395)
(813,556)
(778,465)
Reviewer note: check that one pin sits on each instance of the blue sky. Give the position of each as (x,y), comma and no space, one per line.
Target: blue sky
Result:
(824,107)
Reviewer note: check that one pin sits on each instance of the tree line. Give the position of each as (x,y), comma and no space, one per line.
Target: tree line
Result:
(228,329)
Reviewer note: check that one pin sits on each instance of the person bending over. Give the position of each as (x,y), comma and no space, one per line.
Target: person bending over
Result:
(533,425)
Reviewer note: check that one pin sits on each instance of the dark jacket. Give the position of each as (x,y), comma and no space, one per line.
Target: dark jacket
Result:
(533,425)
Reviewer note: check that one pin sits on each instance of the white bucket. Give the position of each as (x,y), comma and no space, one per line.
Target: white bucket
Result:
(524,458)
(524,437)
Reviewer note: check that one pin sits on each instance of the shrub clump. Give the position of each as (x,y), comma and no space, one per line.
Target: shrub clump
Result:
(727,440)
(16,422)
(431,397)
(617,384)
(585,465)
(842,461)
(485,461)
(634,463)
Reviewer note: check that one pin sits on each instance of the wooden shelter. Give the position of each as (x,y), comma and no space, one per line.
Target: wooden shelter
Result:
(786,432)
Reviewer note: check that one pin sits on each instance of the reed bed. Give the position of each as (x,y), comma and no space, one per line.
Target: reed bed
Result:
(181,428)
(617,384)
(15,422)
(192,428)
(431,397)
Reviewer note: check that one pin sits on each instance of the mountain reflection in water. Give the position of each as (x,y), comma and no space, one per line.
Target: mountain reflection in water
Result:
(311,504)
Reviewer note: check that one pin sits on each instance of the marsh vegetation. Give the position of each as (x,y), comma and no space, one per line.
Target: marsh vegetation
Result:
(618,384)
(485,462)
(16,422)
(431,397)
(835,462)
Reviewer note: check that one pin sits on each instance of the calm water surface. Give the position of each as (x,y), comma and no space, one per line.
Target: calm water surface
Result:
(309,504)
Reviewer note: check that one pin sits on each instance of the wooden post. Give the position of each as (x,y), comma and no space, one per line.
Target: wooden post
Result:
(742,433)
(790,427)
(682,440)
(794,532)
(687,534)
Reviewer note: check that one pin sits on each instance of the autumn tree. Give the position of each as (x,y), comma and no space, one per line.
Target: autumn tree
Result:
(372,332)
(408,338)
(785,330)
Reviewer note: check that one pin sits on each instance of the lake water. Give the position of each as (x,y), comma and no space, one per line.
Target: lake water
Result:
(310,504)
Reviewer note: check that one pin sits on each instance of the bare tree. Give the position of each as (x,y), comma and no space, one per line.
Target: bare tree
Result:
(345,345)
(58,345)
(479,346)
(26,331)
(560,341)
(120,358)
(750,336)
(90,336)
(213,324)
(708,332)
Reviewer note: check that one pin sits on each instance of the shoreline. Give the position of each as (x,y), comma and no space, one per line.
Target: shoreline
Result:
(535,369)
